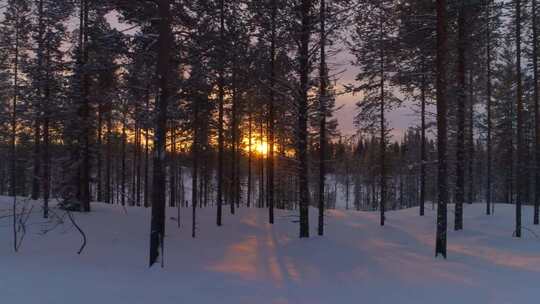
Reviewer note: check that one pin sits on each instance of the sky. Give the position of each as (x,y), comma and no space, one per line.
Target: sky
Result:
(399,119)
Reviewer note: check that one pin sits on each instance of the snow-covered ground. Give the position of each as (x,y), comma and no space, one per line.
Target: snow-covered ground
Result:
(249,261)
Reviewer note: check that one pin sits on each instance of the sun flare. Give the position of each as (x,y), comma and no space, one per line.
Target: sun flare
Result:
(261,148)
(256,145)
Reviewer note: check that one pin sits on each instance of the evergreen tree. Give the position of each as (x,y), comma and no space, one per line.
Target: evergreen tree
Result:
(417,68)
(157,230)
(441,61)
(373,45)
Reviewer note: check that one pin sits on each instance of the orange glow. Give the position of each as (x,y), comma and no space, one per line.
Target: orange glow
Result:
(259,145)
(261,148)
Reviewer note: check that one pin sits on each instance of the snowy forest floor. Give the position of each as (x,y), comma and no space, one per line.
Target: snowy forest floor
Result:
(249,261)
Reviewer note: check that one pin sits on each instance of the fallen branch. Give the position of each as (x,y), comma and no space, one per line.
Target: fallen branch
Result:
(80,230)
(22,226)
(58,221)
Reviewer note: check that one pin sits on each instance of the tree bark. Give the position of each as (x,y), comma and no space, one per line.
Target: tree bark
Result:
(46,175)
(302,133)
(234,144)
(194,175)
(84,162)
(250,156)
(271,118)
(146,203)
(460,140)
(38,107)
(99,165)
(470,158)
(261,164)
(536,111)
(382,160)
(322,116)
(221,97)
(423,152)
(442,50)
(123,160)
(488,108)
(108,158)
(521,167)
(138,166)
(172,168)
(14,133)
(157,232)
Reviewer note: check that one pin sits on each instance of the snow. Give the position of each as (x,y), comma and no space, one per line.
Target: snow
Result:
(249,261)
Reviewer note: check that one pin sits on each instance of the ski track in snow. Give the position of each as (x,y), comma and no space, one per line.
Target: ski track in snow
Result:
(250,261)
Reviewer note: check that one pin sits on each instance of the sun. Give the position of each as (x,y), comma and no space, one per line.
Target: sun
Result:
(256,145)
(261,148)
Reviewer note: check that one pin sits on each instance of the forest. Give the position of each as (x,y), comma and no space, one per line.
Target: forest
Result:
(206,112)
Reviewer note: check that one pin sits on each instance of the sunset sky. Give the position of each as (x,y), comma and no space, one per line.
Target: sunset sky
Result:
(399,119)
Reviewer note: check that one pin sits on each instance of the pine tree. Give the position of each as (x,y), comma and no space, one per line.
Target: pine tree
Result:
(441,61)
(520,120)
(373,44)
(157,232)
(271,111)
(45,73)
(304,34)
(83,148)
(221,98)
(323,80)
(503,117)
(15,29)
(461,98)
(489,52)
(535,55)
(417,67)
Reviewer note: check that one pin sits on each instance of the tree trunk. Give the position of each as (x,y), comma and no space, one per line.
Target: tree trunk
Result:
(123,156)
(38,106)
(423,154)
(302,133)
(134,160)
(157,232)
(271,119)
(470,158)
(99,190)
(382,159)
(460,140)
(194,175)
(221,97)
(261,164)
(46,175)
(442,50)
(146,203)
(234,139)
(84,162)
(172,168)
(488,108)
(521,167)
(138,165)
(536,112)
(108,158)
(14,134)
(322,116)
(250,155)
